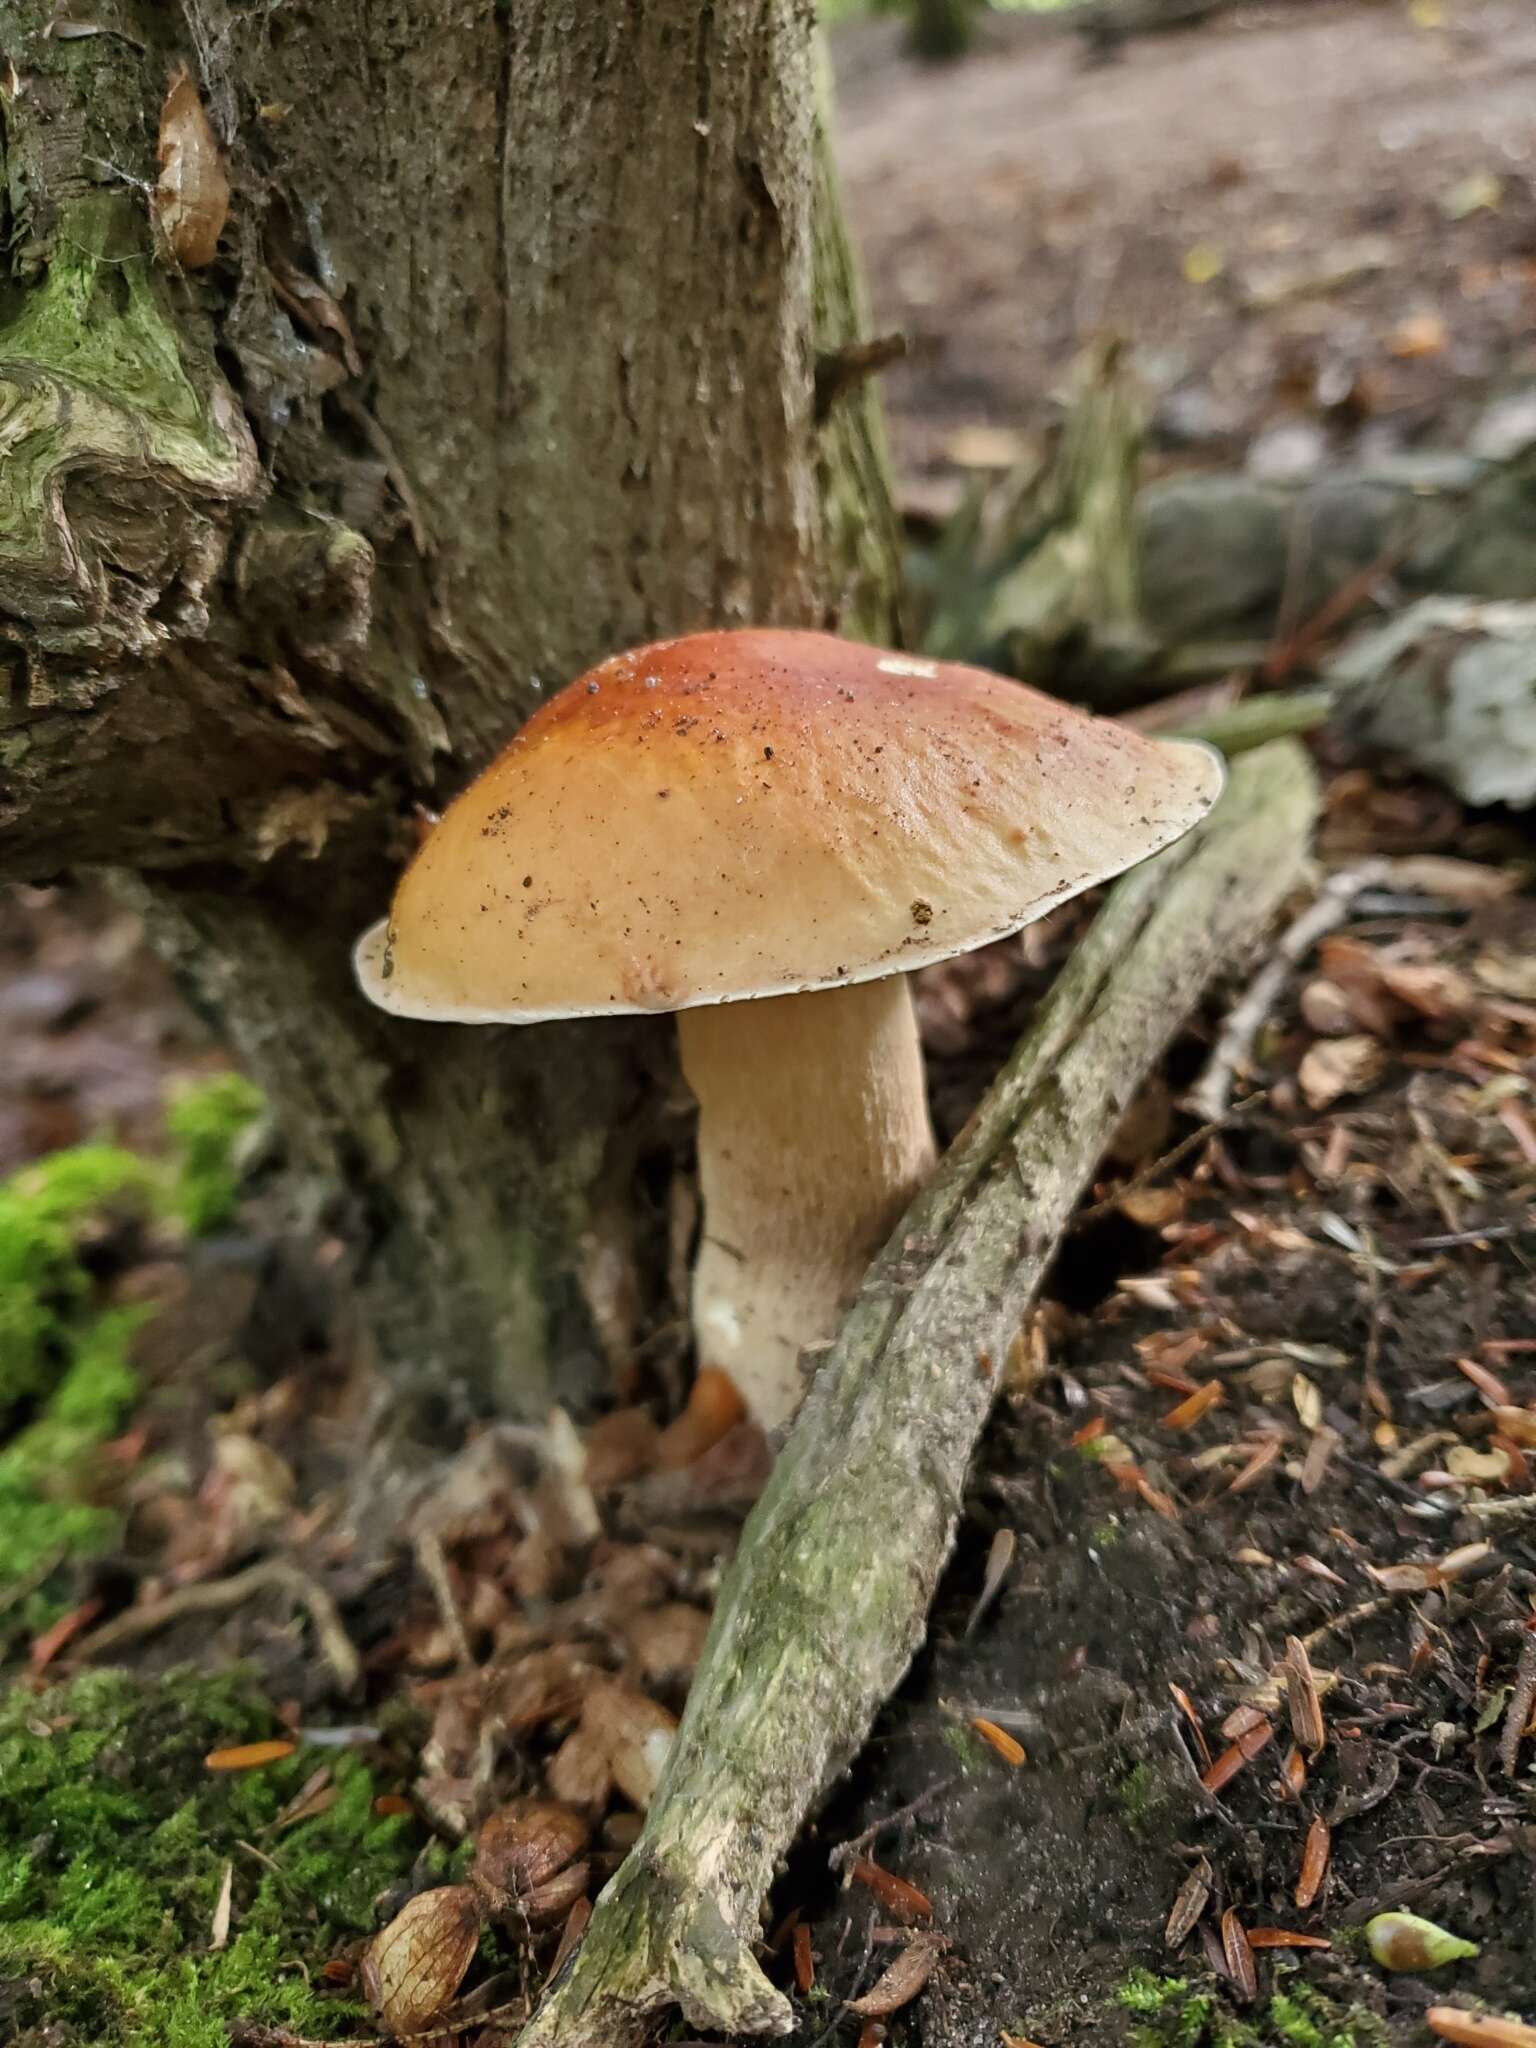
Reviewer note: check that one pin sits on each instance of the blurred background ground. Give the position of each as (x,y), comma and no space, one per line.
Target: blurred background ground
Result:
(1304,211)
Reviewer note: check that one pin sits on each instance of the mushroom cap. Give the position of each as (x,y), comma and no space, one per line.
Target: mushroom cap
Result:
(741,814)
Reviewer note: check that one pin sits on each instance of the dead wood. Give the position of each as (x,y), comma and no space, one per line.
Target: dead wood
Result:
(826,1602)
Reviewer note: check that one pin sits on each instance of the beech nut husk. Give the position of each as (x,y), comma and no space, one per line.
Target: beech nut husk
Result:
(412,1969)
(529,1861)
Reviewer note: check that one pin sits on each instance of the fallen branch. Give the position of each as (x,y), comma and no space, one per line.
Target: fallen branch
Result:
(1233,1051)
(218,1596)
(825,1604)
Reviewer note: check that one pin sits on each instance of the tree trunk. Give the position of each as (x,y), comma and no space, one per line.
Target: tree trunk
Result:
(506,360)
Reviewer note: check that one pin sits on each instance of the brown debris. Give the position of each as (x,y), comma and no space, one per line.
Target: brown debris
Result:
(1194,1896)
(1314,1863)
(1238,1956)
(901,1900)
(1306,1707)
(901,1983)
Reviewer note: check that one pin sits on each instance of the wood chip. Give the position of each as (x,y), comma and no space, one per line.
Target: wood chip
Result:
(901,1983)
(1238,1957)
(1314,1862)
(1302,1699)
(1010,1751)
(249,1756)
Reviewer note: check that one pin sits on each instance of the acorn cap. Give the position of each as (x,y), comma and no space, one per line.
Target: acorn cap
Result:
(745,814)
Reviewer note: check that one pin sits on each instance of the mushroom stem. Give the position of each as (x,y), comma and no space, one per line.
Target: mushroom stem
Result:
(813,1137)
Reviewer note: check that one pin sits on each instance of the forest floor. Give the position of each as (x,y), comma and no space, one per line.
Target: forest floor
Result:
(1318,211)
(1280,1387)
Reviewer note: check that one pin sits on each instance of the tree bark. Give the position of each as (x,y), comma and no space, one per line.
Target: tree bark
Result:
(507,360)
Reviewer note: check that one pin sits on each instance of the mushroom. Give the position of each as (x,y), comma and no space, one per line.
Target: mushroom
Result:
(766,832)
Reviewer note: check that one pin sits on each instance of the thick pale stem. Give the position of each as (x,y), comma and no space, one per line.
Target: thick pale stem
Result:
(813,1137)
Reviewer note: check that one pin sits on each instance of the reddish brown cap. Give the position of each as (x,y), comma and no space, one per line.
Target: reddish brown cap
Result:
(754,813)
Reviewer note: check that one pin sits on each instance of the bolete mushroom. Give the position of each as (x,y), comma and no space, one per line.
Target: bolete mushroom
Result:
(766,832)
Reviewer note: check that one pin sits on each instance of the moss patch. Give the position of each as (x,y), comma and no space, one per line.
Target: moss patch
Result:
(1170,2013)
(114,1839)
(67,1384)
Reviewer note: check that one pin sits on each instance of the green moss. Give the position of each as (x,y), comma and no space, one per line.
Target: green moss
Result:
(1174,2016)
(67,1383)
(206,1124)
(114,1839)
(1140,1796)
(1142,1992)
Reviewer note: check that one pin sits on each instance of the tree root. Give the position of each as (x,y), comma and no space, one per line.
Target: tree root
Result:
(826,1601)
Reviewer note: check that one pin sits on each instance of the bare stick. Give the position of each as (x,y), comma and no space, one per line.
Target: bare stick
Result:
(215,1596)
(826,1601)
(1233,1051)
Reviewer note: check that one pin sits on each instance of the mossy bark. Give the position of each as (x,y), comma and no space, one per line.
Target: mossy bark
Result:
(508,359)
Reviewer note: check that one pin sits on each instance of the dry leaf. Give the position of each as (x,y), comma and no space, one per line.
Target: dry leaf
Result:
(1340,1066)
(313,307)
(1314,1862)
(1307,1400)
(1194,1896)
(901,1900)
(634,1734)
(578,1771)
(1303,1699)
(805,1962)
(529,1861)
(1199,1403)
(1483,1468)
(411,1971)
(901,1983)
(190,202)
(1238,1956)
(1282,1937)
(1421,334)
(666,1641)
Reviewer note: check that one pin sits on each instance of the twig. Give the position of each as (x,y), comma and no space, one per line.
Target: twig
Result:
(845,1852)
(1366,1611)
(1169,1159)
(825,1602)
(216,1596)
(433,1560)
(841,368)
(1521,1700)
(1233,1050)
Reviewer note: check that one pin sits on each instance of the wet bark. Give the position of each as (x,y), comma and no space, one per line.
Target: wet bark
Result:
(507,359)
